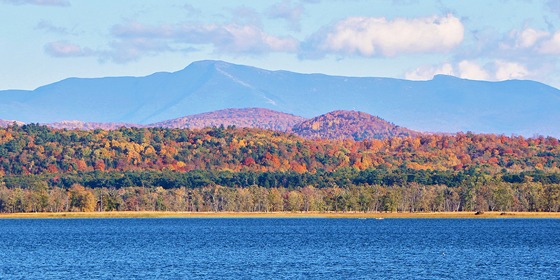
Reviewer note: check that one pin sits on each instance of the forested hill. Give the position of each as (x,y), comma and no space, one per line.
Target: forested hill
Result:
(250,117)
(335,125)
(34,149)
(339,125)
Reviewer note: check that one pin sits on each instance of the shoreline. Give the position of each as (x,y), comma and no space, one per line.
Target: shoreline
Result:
(350,215)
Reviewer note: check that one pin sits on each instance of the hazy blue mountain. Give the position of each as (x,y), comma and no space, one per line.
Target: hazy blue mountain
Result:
(444,104)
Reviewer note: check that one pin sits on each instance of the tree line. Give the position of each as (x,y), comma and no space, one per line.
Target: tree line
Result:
(34,149)
(490,196)
(44,169)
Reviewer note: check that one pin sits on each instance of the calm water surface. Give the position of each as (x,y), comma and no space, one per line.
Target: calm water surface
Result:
(279,248)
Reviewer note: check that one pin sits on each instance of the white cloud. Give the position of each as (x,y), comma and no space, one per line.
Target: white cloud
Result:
(65,49)
(379,36)
(531,42)
(528,37)
(510,70)
(551,45)
(427,72)
(465,69)
(233,38)
(498,70)
(472,71)
(134,40)
(39,2)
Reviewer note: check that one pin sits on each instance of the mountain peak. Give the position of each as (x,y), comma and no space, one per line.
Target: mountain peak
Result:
(445,77)
(217,64)
(343,124)
(207,62)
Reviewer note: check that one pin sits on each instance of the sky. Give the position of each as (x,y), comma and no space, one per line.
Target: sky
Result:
(44,41)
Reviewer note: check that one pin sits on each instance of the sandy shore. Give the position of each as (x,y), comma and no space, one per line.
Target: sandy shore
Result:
(154,214)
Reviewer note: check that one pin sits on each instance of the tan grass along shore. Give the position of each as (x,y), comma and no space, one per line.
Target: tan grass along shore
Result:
(164,214)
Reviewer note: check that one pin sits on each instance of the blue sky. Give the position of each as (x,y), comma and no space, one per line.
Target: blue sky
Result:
(43,41)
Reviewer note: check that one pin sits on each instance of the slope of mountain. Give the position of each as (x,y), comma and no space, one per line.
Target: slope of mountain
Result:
(334,125)
(5,123)
(89,125)
(251,117)
(444,104)
(349,125)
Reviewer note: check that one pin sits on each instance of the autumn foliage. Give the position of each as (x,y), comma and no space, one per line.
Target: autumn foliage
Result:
(33,149)
(446,172)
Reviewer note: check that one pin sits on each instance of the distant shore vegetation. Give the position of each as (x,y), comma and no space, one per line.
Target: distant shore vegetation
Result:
(251,170)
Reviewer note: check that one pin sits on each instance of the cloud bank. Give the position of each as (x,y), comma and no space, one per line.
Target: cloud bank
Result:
(66,49)
(514,55)
(366,36)
(359,36)
(498,70)
(233,38)
(134,40)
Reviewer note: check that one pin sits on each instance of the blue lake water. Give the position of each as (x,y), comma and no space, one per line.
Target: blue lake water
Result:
(279,248)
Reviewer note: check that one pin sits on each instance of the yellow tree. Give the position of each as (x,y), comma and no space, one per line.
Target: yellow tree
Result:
(81,199)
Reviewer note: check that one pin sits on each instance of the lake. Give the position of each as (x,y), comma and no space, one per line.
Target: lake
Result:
(279,248)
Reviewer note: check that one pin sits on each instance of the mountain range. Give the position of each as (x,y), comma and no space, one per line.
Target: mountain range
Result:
(443,104)
(337,125)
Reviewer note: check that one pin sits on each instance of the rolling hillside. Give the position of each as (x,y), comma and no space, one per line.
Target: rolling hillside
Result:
(251,117)
(350,125)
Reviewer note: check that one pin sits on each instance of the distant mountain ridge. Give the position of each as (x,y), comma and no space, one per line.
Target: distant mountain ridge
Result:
(443,104)
(89,125)
(250,117)
(335,125)
(5,123)
(353,125)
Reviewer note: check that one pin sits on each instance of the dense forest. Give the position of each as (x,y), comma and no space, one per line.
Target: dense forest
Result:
(244,169)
